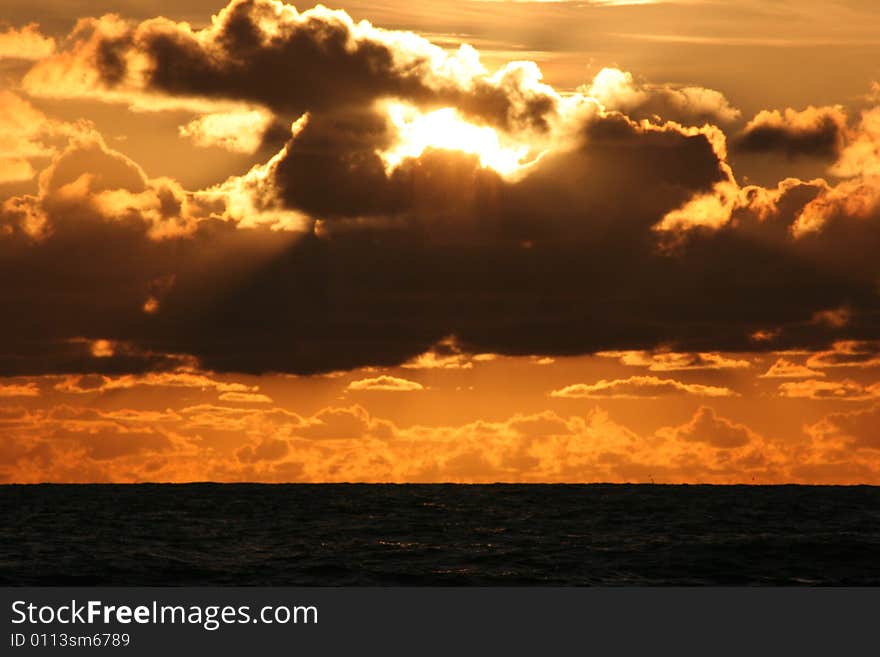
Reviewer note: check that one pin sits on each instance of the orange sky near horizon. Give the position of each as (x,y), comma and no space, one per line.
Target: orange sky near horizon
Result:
(461,242)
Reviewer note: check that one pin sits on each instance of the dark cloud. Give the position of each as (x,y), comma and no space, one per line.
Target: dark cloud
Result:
(813,132)
(271,55)
(319,57)
(562,261)
(326,258)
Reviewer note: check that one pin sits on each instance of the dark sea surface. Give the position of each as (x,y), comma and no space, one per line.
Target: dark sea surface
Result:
(439,535)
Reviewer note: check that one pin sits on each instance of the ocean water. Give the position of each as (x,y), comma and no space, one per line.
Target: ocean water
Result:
(215,534)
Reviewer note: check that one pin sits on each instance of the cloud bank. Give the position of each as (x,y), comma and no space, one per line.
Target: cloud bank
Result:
(618,226)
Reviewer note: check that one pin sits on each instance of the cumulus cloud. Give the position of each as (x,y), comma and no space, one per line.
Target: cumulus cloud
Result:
(386,384)
(75,444)
(846,390)
(335,423)
(360,263)
(707,427)
(860,156)
(670,361)
(25,43)
(174,242)
(619,90)
(27,135)
(858,195)
(268,449)
(89,178)
(29,389)
(246,397)
(813,132)
(847,353)
(97,383)
(241,132)
(414,195)
(786,369)
(836,215)
(834,317)
(640,386)
(860,429)
(252,44)
(261,443)
(446,355)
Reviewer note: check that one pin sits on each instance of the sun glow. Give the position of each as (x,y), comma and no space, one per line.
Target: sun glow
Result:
(445,129)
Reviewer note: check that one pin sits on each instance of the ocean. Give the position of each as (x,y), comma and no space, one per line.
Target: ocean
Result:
(463,535)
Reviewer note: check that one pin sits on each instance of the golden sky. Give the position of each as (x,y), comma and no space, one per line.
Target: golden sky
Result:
(440,241)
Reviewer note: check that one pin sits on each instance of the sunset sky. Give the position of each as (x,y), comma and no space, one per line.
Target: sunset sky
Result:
(465,241)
